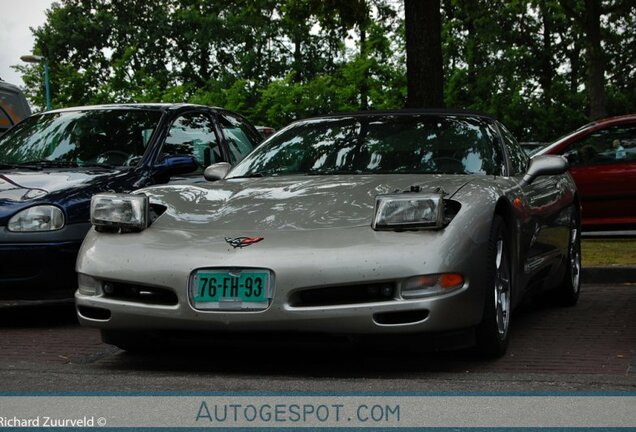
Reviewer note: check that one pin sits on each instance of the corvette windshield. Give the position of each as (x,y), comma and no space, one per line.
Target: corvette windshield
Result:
(378,145)
(111,137)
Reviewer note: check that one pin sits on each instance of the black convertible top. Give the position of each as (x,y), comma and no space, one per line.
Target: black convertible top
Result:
(406,111)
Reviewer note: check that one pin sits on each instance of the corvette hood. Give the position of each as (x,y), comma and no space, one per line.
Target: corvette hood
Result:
(287,203)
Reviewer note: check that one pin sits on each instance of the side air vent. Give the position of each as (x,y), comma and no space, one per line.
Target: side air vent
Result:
(139,293)
(343,295)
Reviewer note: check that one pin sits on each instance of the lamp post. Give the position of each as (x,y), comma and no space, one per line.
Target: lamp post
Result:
(40,59)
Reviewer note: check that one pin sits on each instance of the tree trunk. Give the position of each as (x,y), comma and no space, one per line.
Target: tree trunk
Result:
(298,59)
(473,60)
(596,60)
(364,88)
(424,73)
(575,61)
(546,57)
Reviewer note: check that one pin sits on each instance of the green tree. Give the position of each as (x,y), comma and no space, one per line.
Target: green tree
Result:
(534,64)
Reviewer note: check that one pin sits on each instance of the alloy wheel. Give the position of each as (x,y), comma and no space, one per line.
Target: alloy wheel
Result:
(502,289)
(575,259)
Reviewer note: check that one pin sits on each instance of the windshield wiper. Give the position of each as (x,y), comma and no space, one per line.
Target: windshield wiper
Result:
(20,166)
(49,164)
(8,166)
(255,175)
(95,165)
(335,172)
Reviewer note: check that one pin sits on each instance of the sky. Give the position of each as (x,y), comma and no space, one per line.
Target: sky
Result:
(16,16)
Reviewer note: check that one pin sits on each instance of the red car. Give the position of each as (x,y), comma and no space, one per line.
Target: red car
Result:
(602,157)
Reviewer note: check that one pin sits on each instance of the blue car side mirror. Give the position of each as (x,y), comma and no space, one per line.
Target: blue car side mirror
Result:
(177,164)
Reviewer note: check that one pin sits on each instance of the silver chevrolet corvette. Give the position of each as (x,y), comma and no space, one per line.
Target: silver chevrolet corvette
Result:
(372,224)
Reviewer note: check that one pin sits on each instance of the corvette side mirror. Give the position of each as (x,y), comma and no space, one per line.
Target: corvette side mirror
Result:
(545,165)
(217,171)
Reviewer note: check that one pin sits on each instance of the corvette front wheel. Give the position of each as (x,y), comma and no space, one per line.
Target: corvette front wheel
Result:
(567,294)
(493,331)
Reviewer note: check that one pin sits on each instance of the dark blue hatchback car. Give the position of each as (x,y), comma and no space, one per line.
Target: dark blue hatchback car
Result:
(52,163)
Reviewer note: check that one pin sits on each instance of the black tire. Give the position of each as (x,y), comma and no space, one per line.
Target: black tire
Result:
(494,330)
(567,293)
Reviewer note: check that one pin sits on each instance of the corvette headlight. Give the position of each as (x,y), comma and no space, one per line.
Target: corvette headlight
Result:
(37,218)
(408,211)
(88,285)
(119,212)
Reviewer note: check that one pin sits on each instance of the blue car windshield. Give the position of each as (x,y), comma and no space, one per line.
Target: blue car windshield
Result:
(379,144)
(110,137)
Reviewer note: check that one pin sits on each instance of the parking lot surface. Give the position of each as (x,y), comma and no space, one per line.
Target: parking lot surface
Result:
(587,348)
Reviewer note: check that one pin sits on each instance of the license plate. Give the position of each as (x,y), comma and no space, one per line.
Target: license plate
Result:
(230,289)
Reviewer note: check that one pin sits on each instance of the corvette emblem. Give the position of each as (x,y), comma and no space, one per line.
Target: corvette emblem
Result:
(241,242)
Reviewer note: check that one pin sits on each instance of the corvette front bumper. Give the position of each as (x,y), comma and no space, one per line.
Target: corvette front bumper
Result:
(341,259)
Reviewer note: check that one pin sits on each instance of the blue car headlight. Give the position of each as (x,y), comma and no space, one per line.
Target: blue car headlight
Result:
(119,212)
(408,211)
(37,219)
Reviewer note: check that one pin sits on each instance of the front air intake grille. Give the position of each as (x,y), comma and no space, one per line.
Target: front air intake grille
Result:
(343,295)
(94,313)
(139,293)
(400,317)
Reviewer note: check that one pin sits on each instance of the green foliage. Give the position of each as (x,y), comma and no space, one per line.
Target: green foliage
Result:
(524,61)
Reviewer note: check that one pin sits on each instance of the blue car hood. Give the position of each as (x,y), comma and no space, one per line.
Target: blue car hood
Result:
(21,189)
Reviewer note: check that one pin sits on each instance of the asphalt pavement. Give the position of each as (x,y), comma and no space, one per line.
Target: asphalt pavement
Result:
(587,348)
